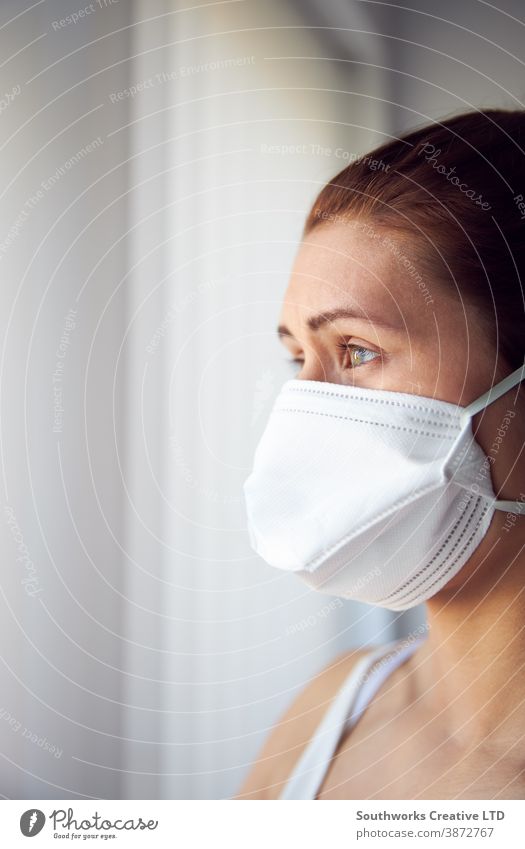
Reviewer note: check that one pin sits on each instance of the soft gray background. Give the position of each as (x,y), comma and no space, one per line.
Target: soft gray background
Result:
(159,651)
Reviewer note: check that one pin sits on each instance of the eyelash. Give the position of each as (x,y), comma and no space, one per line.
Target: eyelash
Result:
(346,348)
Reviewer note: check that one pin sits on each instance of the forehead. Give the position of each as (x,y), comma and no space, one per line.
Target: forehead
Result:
(356,264)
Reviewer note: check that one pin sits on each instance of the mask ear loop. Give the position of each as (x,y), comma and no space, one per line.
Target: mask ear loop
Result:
(483,401)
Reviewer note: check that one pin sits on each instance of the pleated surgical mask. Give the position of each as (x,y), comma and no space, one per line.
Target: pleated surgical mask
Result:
(371,495)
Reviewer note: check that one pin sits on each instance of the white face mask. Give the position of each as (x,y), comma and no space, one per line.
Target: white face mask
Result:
(372,495)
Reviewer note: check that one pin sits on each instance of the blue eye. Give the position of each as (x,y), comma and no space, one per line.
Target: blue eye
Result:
(354,356)
(357,355)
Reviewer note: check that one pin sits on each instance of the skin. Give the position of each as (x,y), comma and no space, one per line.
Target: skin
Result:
(449,722)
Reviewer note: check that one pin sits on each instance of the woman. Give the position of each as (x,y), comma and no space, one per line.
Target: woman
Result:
(392,468)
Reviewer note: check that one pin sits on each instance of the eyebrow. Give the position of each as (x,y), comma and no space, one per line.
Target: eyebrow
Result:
(317,321)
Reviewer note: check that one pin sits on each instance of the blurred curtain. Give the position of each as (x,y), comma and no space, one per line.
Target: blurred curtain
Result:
(229,146)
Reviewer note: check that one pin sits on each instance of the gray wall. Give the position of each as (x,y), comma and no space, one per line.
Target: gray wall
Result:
(139,635)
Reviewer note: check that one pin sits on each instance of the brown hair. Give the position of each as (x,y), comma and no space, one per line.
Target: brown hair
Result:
(454,191)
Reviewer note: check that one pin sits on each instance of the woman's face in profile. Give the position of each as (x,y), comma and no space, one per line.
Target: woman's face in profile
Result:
(359,309)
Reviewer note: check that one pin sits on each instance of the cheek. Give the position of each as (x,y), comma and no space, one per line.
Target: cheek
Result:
(447,371)
(425,368)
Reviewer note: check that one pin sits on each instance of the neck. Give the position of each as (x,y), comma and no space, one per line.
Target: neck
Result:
(473,661)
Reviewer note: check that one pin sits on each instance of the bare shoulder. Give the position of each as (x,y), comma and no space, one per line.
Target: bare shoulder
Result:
(288,739)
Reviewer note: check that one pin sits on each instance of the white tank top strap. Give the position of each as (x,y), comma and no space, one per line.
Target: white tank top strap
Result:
(345,711)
